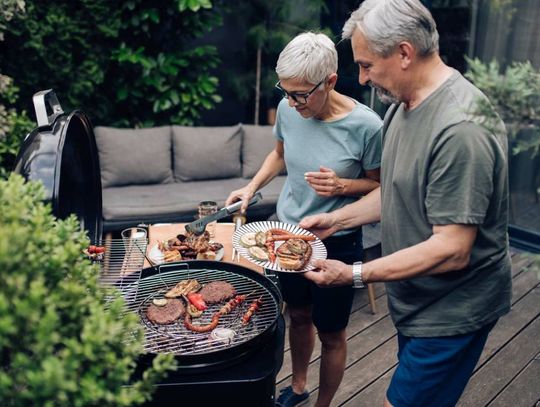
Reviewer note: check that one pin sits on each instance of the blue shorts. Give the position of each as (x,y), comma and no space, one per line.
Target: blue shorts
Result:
(331,306)
(435,371)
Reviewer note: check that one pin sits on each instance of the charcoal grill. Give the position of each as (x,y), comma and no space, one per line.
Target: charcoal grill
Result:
(61,152)
(199,349)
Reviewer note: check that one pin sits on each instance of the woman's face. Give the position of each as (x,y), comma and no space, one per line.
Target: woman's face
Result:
(307,98)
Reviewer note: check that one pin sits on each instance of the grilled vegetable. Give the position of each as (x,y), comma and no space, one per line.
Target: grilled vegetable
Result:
(258,253)
(260,239)
(197,301)
(193,311)
(160,302)
(248,239)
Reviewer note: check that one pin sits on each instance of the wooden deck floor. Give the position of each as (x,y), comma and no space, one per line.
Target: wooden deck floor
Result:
(508,373)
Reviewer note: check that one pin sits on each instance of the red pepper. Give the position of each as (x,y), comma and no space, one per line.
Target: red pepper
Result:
(197,301)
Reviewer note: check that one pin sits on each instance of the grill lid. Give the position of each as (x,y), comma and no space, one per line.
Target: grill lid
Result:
(62,153)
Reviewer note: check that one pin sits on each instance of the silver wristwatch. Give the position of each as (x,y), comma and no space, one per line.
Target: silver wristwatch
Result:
(358,282)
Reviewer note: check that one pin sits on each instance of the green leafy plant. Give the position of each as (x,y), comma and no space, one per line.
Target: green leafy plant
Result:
(515,95)
(125,63)
(13,126)
(64,339)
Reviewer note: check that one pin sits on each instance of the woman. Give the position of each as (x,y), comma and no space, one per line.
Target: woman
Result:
(330,146)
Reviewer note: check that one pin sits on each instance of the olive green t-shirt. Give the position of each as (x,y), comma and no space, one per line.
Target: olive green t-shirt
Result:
(440,168)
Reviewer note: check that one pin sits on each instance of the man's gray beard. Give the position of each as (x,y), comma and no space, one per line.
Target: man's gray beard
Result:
(384,96)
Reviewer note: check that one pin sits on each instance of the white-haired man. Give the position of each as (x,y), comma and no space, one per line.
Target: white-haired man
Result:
(443,205)
(330,145)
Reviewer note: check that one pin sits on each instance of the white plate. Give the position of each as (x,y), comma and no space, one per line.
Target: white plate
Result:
(157,256)
(319,250)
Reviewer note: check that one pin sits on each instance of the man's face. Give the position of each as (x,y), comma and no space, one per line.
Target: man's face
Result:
(378,72)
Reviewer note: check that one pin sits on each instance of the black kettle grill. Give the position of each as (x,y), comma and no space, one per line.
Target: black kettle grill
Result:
(62,153)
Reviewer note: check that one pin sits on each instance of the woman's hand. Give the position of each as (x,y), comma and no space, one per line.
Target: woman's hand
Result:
(243,194)
(325,182)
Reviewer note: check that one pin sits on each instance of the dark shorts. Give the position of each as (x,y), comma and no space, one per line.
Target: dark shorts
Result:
(435,371)
(331,306)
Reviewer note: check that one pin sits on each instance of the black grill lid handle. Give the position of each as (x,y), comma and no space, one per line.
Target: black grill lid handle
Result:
(42,100)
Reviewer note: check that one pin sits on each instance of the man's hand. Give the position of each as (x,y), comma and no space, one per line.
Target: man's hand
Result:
(322,225)
(330,273)
(325,182)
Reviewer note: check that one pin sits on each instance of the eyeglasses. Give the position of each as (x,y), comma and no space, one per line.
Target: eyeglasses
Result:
(300,98)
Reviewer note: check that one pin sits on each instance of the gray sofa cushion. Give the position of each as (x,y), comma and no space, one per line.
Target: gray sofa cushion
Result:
(202,153)
(259,141)
(143,202)
(134,156)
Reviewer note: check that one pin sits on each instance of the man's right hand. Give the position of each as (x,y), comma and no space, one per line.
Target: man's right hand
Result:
(322,225)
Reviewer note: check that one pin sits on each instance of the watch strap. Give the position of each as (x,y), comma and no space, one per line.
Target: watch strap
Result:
(358,281)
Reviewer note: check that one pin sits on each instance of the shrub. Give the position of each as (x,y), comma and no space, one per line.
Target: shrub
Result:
(13,126)
(515,95)
(61,342)
(125,63)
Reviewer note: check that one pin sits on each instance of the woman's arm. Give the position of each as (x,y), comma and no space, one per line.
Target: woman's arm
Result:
(327,183)
(273,164)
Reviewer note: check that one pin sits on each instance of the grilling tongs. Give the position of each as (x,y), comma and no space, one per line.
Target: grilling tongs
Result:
(198,227)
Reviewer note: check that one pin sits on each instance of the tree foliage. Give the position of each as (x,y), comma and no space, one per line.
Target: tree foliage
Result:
(515,95)
(14,125)
(64,339)
(129,63)
(269,27)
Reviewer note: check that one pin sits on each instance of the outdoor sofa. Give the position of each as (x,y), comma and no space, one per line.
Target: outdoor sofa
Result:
(160,174)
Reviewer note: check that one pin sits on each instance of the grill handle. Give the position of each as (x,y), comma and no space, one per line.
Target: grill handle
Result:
(42,100)
(272,276)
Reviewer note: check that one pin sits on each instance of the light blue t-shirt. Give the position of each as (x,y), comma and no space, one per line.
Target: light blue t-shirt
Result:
(349,146)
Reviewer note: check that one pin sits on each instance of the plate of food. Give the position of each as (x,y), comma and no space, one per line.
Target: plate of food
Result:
(186,246)
(278,246)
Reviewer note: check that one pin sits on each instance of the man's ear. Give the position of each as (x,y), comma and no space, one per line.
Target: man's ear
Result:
(406,54)
(331,81)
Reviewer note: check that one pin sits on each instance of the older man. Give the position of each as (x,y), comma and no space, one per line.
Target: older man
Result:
(443,204)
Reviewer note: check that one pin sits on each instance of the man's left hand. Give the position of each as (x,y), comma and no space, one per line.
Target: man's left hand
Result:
(330,273)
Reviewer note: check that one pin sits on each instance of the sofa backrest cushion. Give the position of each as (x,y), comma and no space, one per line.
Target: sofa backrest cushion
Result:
(134,156)
(258,142)
(206,152)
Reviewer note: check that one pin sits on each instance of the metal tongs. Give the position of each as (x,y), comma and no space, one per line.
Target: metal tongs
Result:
(198,227)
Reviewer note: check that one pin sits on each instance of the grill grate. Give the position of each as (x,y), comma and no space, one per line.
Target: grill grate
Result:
(175,338)
(122,267)
(123,262)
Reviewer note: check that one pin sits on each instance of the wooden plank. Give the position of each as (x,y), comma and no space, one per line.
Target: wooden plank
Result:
(524,390)
(521,261)
(365,371)
(358,321)
(492,378)
(524,310)
(372,395)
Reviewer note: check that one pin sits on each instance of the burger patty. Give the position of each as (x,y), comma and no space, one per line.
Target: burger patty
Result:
(166,314)
(217,291)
